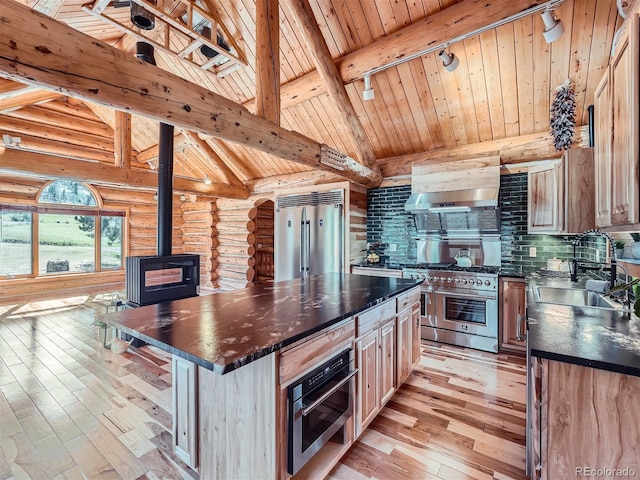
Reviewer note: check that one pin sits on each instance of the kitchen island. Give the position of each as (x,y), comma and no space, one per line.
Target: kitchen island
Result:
(583,386)
(236,352)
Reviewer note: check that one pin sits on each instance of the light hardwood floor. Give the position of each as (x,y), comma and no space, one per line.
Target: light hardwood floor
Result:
(70,409)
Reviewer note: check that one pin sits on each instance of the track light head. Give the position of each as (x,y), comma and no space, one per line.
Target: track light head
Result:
(553,28)
(367,93)
(449,60)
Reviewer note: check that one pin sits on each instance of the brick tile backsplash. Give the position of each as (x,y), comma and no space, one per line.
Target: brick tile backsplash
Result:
(388,223)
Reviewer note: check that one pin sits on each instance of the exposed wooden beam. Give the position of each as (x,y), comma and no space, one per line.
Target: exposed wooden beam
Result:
(103,74)
(60,149)
(317,48)
(122,140)
(26,127)
(463,17)
(9,86)
(15,161)
(26,99)
(179,141)
(299,179)
(268,60)
(525,148)
(208,153)
(244,165)
(45,116)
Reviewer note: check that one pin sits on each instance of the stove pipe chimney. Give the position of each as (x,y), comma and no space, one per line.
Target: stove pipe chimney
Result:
(144,51)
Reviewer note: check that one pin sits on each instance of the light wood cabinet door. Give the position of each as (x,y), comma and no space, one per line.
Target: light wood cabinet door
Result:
(368,399)
(624,78)
(545,195)
(404,347)
(512,314)
(602,127)
(387,365)
(415,334)
(184,375)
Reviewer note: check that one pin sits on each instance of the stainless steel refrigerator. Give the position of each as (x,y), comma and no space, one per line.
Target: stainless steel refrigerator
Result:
(309,234)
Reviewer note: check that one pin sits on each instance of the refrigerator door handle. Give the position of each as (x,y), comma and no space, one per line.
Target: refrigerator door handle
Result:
(303,242)
(308,247)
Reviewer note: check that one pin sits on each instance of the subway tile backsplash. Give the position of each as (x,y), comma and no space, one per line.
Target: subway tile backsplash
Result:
(389,224)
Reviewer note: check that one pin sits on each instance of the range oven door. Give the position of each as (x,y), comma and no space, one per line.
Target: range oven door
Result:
(317,416)
(466,311)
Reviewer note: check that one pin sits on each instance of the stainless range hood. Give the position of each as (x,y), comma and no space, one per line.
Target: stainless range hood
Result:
(456,213)
(452,201)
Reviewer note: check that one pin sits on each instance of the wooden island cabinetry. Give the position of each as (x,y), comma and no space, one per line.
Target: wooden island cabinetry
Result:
(512,314)
(561,194)
(582,417)
(216,414)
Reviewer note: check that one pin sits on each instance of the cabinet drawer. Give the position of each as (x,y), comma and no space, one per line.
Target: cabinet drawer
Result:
(372,318)
(408,298)
(309,354)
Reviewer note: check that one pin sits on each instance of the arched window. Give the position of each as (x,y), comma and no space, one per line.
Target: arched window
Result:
(68,215)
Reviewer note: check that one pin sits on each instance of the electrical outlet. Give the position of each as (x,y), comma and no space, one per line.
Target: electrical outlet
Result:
(532,251)
(393,247)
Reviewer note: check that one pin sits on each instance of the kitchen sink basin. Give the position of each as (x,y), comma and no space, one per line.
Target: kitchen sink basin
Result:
(573,297)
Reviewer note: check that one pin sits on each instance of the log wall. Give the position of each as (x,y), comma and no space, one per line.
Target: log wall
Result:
(264,242)
(192,232)
(236,229)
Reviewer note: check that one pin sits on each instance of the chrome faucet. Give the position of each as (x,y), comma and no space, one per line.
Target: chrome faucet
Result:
(578,240)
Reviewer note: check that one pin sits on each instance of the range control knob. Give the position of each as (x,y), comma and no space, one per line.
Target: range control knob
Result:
(465,281)
(457,280)
(487,283)
(449,279)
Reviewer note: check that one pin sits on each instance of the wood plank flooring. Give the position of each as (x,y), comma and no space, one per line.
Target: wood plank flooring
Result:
(70,409)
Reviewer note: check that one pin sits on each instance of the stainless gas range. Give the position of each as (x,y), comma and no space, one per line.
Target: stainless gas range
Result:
(458,305)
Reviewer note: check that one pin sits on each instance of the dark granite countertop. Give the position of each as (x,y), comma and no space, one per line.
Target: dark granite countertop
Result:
(588,336)
(224,331)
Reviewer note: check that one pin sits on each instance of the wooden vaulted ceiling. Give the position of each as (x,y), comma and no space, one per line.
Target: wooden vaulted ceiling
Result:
(502,88)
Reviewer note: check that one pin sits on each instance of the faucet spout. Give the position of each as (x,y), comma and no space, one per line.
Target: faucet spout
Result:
(612,253)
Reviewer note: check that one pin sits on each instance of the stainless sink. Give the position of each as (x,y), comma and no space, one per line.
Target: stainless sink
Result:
(572,296)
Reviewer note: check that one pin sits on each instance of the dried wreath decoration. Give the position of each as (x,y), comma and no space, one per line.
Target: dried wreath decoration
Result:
(563,116)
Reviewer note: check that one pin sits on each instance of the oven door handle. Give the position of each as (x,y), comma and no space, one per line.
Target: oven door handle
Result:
(308,409)
(465,295)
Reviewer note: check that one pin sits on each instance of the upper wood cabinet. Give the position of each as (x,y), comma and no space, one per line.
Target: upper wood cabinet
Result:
(617,134)
(561,194)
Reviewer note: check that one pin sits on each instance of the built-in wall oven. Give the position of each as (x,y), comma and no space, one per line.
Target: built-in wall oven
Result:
(318,407)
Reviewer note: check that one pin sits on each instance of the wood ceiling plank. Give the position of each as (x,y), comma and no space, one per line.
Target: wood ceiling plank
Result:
(430,64)
(541,77)
(371,120)
(581,32)
(330,25)
(55,167)
(151,153)
(401,100)
(603,30)
(461,18)
(145,89)
(425,104)
(268,60)
(460,78)
(454,102)
(301,11)
(493,82)
(523,34)
(509,76)
(240,164)
(211,156)
(476,67)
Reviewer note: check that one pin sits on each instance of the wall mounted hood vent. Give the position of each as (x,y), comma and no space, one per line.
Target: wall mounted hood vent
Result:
(453,201)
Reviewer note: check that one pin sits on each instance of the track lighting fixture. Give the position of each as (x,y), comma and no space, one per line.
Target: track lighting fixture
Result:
(449,60)
(367,93)
(553,28)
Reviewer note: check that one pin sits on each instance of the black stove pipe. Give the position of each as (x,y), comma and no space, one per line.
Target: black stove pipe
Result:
(144,51)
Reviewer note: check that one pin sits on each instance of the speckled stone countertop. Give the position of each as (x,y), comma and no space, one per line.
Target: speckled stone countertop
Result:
(224,331)
(588,336)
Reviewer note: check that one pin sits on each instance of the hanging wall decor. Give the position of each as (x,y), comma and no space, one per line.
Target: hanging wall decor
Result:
(563,116)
